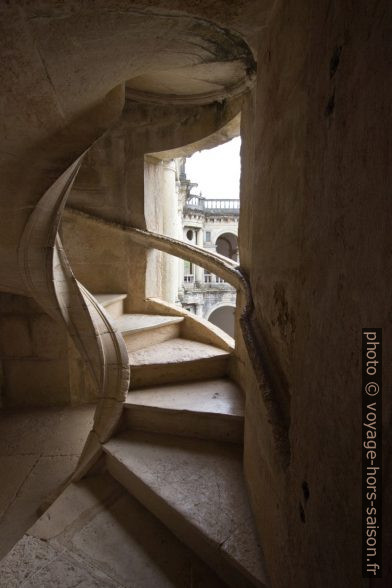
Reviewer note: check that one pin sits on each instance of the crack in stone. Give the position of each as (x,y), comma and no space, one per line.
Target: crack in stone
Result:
(18,491)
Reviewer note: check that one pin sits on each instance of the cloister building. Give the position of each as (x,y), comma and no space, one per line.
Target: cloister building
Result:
(213,225)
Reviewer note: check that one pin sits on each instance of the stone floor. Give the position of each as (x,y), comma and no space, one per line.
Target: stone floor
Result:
(95,535)
(39,448)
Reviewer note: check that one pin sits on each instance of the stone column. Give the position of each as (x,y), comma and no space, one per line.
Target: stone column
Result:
(161,215)
(199,271)
(171,228)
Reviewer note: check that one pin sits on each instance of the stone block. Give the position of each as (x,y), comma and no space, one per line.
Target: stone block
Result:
(34,382)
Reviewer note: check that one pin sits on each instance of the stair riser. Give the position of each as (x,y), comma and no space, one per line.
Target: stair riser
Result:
(200,369)
(185,423)
(139,340)
(115,309)
(189,534)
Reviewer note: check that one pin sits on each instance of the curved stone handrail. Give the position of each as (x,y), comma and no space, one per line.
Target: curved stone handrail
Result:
(231,272)
(218,264)
(50,281)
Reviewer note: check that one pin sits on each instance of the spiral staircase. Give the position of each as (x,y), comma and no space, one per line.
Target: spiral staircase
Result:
(166,503)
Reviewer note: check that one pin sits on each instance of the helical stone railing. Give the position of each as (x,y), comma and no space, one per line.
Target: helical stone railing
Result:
(49,280)
(232,273)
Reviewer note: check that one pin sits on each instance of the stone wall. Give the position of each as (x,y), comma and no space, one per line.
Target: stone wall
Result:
(119,180)
(40,366)
(317,247)
(314,235)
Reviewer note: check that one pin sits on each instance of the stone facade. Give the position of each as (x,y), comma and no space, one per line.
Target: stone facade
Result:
(213,225)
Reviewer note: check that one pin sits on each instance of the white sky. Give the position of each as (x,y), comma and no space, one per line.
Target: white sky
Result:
(217,171)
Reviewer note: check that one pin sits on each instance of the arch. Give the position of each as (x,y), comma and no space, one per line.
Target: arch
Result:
(227,244)
(233,231)
(223,316)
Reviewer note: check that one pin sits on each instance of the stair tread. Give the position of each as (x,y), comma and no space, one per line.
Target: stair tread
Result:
(176,350)
(203,482)
(105,299)
(136,323)
(218,396)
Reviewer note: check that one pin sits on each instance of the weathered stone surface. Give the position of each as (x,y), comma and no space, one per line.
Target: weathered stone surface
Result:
(176,360)
(196,488)
(29,431)
(96,535)
(314,238)
(210,396)
(174,351)
(39,449)
(113,303)
(68,571)
(315,241)
(16,471)
(211,409)
(27,558)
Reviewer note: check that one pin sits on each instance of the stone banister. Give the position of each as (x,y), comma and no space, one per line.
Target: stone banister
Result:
(215,206)
(232,273)
(48,278)
(217,264)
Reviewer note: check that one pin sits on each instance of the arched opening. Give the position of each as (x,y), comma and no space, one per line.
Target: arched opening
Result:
(223,317)
(227,245)
(197,220)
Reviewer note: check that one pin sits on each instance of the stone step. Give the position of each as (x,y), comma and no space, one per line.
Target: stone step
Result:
(196,488)
(113,303)
(144,330)
(96,534)
(176,360)
(208,409)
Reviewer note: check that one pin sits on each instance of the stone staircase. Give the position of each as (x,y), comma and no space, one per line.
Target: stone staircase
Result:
(174,468)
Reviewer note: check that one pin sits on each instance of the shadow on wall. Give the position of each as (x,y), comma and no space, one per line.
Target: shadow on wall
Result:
(227,245)
(223,317)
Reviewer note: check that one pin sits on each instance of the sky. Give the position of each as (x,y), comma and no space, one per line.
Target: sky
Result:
(217,171)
